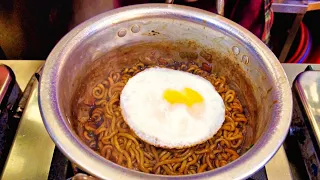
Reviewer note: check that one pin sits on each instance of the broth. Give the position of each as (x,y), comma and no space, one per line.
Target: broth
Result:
(101,126)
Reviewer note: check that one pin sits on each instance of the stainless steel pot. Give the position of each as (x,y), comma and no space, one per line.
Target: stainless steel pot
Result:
(232,50)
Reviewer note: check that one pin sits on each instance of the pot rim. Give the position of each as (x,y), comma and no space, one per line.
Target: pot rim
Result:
(93,163)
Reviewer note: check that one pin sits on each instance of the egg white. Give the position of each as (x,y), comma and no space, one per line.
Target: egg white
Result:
(162,124)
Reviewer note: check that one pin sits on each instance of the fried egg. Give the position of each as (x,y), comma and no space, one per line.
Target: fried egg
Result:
(170,108)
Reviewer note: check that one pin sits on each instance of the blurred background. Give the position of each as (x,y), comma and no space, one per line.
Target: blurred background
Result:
(29,29)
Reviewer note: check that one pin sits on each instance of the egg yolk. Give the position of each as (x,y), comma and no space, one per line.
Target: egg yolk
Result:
(187,96)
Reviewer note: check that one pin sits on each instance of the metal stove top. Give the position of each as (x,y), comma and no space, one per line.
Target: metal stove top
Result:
(305,127)
(34,156)
(308,89)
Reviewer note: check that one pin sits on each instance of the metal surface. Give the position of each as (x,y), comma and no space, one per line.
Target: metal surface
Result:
(220,7)
(23,70)
(31,153)
(306,128)
(5,80)
(293,70)
(81,176)
(308,89)
(291,35)
(279,161)
(10,94)
(96,36)
(290,6)
(295,6)
(302,136)
(302,147)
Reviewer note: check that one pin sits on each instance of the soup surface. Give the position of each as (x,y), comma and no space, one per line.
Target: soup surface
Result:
(105,131)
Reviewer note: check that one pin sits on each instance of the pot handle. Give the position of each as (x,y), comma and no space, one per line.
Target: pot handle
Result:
(219,5)
(81,176)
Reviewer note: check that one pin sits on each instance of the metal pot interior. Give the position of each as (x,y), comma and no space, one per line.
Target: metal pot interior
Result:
(150,53)
(124,37)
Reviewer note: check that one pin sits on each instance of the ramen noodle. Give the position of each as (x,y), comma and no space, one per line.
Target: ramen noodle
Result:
(107,133)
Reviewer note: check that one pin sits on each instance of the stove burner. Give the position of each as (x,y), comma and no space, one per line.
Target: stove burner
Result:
(9,118)
(300,145)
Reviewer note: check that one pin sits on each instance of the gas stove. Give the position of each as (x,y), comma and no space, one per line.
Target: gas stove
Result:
(33,155)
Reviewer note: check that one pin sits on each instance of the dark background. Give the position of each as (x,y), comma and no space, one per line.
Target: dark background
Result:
(29,29)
